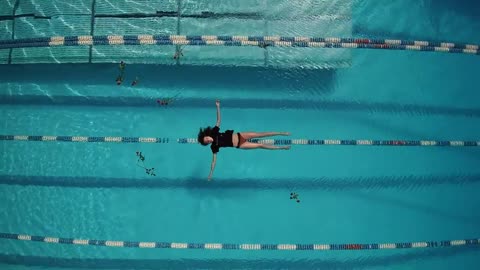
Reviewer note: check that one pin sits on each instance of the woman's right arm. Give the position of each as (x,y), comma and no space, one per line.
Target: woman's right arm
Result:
(214,160)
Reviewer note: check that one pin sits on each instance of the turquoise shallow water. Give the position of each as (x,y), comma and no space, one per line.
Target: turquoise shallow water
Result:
(348,193)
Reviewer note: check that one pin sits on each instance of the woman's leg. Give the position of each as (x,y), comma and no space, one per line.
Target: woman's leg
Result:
(249,145)
(251,135)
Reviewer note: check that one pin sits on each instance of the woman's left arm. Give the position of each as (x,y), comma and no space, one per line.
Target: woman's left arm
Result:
(218,113)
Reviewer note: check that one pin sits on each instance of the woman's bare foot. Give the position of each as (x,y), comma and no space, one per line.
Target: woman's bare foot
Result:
(285,133)
(285,147)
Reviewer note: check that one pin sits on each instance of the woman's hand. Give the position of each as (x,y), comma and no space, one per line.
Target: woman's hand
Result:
(217,103)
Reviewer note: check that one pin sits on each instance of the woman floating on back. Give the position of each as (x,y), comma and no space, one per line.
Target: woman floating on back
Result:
(228,138)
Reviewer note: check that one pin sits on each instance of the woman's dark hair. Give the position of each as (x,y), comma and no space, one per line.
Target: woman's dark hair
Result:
(203,133)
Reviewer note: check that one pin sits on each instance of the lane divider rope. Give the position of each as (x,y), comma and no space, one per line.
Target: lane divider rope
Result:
(273,41)
(222,246)
(113,139)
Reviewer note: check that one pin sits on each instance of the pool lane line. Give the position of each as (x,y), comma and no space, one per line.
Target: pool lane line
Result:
(118,139)
(258,41)
(224,246)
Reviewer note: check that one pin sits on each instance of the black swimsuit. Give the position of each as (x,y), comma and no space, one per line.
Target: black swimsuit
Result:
(221,139)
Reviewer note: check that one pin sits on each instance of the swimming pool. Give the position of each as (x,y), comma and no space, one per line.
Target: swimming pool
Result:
(352,195)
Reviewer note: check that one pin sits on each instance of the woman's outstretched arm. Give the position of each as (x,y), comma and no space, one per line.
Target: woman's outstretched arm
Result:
(214,160)
(217,103)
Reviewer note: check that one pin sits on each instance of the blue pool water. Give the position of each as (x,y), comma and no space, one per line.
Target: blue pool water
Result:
(349,194)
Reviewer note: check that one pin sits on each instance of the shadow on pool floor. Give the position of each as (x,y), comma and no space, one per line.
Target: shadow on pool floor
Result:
(368,260)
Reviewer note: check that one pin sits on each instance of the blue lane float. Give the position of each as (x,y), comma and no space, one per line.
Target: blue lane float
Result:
(118,139)
(223,246)
(259,41)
